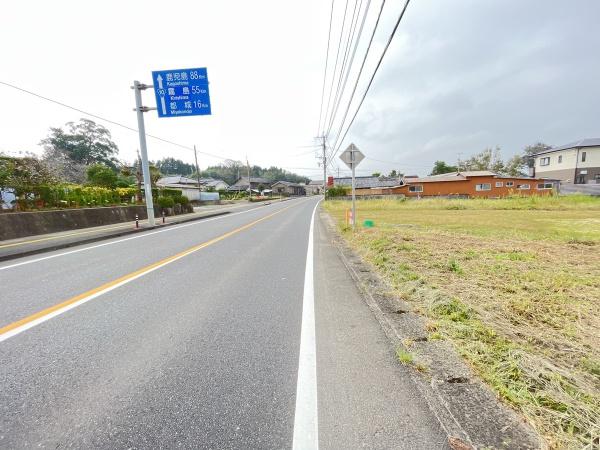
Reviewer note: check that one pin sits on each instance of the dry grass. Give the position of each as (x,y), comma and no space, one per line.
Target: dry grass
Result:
(515,284)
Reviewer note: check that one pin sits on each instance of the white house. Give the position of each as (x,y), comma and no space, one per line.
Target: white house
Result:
(577,162)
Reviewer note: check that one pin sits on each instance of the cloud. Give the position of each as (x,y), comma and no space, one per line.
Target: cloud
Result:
(465,75)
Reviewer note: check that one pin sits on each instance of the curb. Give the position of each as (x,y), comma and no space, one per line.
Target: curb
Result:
(467,410)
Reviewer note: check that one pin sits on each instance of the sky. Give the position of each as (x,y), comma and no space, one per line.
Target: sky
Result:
(459,76)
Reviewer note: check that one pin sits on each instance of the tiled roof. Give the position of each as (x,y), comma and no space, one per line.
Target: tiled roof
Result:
(368,182)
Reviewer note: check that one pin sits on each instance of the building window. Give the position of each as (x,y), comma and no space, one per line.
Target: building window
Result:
(544,186)
(523,187)
(499,184)
(415,188)
(545,161)
(583,155)
(560,159)
(483,187)
(510,183)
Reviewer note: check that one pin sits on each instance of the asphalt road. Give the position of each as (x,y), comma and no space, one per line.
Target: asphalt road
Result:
(210,334)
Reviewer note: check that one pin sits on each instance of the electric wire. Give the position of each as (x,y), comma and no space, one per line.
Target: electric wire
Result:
(104,119)
(362,66)
(389,41)
(333,77)
(113,122)
(325,71)
(350,64)
(349,40)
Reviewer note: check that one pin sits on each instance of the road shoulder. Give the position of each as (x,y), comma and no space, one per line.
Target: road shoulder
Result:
(366,399)
(467,410)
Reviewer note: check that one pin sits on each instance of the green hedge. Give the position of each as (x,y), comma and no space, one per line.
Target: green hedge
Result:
(73,196)
(77,196)
(337,191)
(166,192)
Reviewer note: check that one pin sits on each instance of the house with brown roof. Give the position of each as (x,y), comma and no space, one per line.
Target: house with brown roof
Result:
(468,184)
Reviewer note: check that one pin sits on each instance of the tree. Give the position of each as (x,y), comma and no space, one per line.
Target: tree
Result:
(229,171)
(65,169)
(393,174)
(172,166)
(24,174)
(376,174)
(101,175)
(531,150)
(488,159)
(84,143)
(7,167)
(155,174)
(514,166)
(440,167)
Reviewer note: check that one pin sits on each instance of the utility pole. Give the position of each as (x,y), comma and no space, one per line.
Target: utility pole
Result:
(249,182)
(324,167)
(197,170)
(138,88)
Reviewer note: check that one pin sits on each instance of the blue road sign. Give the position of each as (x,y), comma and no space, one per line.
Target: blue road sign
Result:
(182,92)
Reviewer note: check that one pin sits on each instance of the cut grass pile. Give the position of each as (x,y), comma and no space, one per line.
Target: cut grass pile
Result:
(513,283)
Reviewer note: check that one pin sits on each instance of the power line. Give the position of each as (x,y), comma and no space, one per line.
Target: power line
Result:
(326,64)
(349,39)
(104,119)
(387,45)
(358,36)
(360,72)
(96,116)
(335,65)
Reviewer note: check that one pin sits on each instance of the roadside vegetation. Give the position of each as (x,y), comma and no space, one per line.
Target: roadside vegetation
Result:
(514,284)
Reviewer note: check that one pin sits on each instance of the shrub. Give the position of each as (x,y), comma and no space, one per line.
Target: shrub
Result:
(165,202)
(181,199)
(337,191)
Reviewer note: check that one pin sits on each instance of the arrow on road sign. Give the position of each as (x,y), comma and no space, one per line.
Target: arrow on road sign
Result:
(162,104)
(159,79)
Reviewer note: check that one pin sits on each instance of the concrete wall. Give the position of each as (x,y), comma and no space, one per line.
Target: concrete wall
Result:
(20,224)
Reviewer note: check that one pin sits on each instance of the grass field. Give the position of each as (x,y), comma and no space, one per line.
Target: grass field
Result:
(513,283)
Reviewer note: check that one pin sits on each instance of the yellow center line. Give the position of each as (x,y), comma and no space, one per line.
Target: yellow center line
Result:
(129,277)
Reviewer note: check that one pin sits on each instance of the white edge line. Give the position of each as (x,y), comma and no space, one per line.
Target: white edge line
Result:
(306,422)
(142,235)
(66,308)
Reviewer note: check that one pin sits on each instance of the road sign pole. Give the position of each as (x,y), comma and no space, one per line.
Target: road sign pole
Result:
(352,157)
(137,87)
